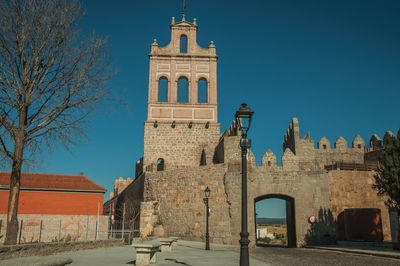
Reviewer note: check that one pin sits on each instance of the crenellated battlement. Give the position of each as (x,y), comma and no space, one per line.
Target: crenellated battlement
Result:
(119,185)
(300,152)
(232,131)
(376,145)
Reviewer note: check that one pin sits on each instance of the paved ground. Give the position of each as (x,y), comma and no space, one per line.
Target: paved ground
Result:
(190,253)
(187,253)
(304,256)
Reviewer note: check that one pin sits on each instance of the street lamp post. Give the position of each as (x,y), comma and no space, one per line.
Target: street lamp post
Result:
(207,195)
(243,117)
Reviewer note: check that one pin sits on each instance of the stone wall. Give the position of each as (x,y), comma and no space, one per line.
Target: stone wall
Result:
(308,189)
(173,197)
(52,228)
(353,189)
(180,145)
(180,194)
(324,154)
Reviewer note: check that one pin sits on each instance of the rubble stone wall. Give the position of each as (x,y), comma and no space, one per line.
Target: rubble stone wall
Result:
(180,146)
(182,211)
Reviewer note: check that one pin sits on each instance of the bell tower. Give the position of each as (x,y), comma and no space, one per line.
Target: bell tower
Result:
(183,59)
(182,101)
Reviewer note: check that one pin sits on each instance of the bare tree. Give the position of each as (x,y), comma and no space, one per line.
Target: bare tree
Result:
(50,82)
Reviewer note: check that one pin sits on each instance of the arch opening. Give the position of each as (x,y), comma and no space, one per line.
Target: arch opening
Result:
(183,44)
(275,220)
(183,90)
(160,164)
(163,89)
(202,96)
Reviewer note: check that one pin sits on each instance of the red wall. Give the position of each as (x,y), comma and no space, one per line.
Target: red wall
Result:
(42,202)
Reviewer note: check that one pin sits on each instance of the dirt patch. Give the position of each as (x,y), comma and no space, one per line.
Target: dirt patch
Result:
(43,249)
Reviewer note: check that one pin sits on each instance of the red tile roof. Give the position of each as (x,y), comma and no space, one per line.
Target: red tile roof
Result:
(53,181)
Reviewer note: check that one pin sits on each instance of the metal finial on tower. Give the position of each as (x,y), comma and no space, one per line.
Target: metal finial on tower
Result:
(183,10)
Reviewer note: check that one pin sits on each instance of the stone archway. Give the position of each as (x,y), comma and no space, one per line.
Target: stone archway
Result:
(290,216)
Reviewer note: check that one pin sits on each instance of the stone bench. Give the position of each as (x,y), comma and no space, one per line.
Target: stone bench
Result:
(175,239)
(166,244)
(146,252)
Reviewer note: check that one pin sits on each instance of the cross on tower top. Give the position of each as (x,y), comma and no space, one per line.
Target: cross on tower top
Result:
(183,10)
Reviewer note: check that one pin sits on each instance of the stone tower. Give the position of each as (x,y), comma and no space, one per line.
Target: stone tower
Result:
(182,123)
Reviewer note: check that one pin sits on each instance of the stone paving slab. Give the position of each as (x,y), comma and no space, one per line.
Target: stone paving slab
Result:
(187,253)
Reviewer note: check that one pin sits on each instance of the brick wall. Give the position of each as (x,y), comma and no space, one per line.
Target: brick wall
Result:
(44,202)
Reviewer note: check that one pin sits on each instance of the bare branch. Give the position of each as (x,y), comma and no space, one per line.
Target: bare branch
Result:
(50,80)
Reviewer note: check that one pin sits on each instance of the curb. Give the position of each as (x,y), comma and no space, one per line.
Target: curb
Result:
(359,251)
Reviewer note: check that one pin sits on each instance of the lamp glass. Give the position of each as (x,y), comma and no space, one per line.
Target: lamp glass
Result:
(243,116)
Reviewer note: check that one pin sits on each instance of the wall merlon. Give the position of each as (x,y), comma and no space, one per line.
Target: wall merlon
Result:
(358,143)
(375,143)
(341,143)
(289,160)
(324,144)
(269,159)
(388,138)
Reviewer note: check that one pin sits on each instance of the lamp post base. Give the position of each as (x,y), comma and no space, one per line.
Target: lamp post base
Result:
(244,248)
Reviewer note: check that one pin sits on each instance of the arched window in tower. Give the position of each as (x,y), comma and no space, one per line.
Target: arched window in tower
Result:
(202,91)
(163,89)
(183,44)
(183,90)
(160,164)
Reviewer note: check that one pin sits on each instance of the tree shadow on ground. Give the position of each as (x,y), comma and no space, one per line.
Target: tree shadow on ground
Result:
(323,231)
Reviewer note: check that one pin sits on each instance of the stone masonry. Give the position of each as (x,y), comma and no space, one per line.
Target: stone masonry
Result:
(184,152)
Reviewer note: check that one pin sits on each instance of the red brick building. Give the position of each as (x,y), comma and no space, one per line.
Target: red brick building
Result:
(54,194)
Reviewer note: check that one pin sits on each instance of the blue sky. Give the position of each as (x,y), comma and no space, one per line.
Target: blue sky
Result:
(333,64)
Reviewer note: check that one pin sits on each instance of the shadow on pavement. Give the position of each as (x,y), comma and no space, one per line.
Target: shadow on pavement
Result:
(271,246)
(212,248)
(178,262)
(133,262)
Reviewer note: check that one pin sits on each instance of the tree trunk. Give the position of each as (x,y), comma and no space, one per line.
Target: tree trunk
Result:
(15,184)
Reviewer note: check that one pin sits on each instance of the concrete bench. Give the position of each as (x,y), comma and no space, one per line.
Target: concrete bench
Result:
(166,244)
(146,252)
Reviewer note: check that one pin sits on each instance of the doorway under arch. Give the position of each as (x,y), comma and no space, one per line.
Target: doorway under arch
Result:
(289,211)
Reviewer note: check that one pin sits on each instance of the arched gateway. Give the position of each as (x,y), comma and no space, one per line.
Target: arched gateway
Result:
(290,216)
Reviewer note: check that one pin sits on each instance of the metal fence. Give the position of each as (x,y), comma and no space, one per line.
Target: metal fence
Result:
(126,231)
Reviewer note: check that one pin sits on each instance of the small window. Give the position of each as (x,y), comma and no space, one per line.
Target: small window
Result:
(160,164)
(183,90)
(324,146)
(163,90)
(203,159)
(183,44)
(269,163)
(202,91)
(359,146)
